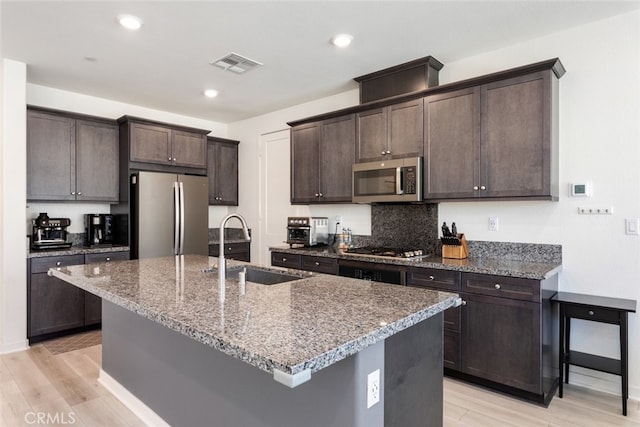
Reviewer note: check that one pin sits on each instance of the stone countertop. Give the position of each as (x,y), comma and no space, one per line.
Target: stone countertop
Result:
(482,265)
(76,250)
(294,327)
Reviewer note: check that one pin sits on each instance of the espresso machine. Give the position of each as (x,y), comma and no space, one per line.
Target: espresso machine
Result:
(99,229)
(49,233)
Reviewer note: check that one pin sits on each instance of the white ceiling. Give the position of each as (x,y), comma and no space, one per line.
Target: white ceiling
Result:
(165,65)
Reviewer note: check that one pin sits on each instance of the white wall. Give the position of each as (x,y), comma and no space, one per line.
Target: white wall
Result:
(599,140)
(13,193)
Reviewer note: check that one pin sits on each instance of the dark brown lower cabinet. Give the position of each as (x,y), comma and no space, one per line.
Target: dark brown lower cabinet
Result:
(501,341)
(55,307)
(239,251)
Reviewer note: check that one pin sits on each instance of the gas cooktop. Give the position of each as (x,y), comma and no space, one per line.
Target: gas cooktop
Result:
(384,252)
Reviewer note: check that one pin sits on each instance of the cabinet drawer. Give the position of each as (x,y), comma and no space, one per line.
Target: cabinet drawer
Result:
(501,286)
(452,319)
(433,278)
(230,249)
(597,314)
(320,264)
(106,257)
(42,265)
(281,259)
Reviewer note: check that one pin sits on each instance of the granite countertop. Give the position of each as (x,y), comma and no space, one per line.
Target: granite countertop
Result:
(76,250)
(482,265)
(293,327)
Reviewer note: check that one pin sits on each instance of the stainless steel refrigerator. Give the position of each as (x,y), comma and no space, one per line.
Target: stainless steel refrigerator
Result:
(169,214)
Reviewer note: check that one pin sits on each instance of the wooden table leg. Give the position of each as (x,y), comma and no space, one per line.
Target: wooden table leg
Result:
(624,360)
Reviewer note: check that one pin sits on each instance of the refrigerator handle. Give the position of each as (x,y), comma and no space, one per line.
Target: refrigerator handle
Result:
(181,218)
(176,216)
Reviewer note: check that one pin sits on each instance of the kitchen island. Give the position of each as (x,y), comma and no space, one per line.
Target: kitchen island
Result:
(184,348)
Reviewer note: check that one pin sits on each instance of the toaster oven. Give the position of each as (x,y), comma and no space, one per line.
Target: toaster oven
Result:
(308,231)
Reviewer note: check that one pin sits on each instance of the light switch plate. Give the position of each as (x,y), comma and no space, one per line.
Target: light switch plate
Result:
(632,226)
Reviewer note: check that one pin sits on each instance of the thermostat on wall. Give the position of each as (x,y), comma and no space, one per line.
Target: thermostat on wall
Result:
(581,189)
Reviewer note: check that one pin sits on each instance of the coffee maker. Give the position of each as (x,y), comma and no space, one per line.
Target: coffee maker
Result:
(49,233)
(98,229)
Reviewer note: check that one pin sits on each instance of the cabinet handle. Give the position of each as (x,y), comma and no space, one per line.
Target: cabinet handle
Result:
(475,188)
(108,258)
(174,159)
(317,263)
(79,193)
(229,249)
(317,194)
(497,286)
(284,260)
(58,263)
(463,302)
(432,278)
(383,152)
(73,193)
(482,187)
(388,151)
(169,158)
(591,313)
(321,195)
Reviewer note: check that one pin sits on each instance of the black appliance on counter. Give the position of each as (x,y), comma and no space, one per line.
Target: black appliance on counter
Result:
(99,229)
(307,231)
(49,233)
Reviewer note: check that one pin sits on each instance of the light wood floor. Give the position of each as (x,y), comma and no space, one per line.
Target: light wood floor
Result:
(65,386)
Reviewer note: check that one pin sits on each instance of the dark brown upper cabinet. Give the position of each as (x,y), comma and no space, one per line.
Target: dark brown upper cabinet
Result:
(322,154)
(71,157)
(164,147)
(390,132)
(222,170)
(496,140)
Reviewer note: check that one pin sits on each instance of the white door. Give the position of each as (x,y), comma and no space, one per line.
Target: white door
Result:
(275,205)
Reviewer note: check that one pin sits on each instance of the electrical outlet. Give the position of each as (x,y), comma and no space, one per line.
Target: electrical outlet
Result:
(373,388)
(595,211)
(493,223)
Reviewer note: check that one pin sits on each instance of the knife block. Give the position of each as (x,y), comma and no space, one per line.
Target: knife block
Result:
(460,251)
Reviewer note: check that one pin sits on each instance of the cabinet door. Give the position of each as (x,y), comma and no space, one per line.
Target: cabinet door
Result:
(189,149)
(337,154)
(406,129)
(452,125)
(222,170)
(150,144)
(501,341)
(51,157)
(96,161)
(516,137)
(305,174)
(371,135)
(53,305)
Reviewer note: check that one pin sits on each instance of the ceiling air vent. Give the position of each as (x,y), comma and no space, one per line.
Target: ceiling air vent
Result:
(235,63)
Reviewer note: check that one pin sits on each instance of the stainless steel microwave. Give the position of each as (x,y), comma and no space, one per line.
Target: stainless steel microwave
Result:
(398,180)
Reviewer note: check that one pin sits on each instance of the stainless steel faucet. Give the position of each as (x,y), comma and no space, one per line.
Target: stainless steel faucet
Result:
(221,261)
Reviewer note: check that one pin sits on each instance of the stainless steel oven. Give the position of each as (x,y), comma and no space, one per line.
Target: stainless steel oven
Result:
(398,180)
(308,231)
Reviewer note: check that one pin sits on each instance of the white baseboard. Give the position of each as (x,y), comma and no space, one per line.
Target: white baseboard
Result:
(13,347)
(600,381)
(142,411)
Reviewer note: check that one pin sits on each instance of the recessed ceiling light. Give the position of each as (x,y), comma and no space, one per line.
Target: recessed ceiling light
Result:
(130,22)
(342,40)
(210,93)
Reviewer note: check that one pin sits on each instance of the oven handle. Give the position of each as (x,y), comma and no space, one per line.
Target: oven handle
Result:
(399,185)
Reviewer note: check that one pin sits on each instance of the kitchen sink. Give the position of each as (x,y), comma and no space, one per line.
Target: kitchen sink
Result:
(257,275)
